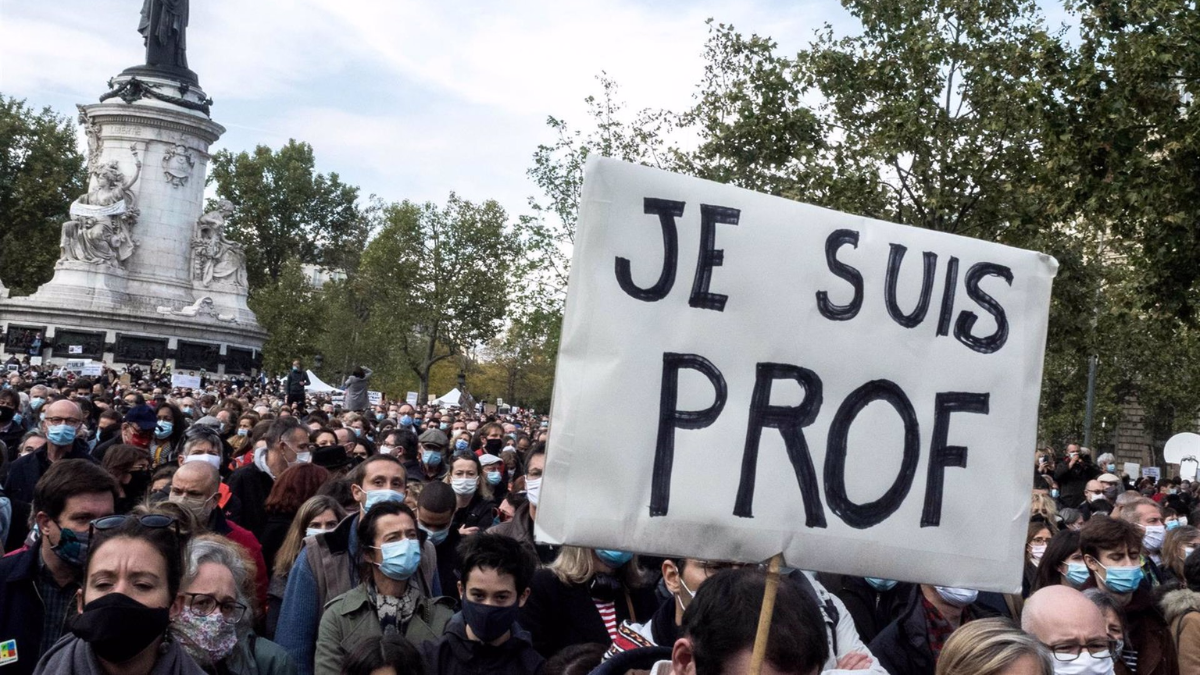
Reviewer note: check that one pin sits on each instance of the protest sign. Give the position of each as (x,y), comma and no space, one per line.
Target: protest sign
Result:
(791,379)
(74,349)
(1152,472)
(1133,470)
(77,365)
(185,380)
(92,369)
(411,398)
(374,397)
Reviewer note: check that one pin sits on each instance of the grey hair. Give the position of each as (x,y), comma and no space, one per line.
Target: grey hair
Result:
(1105,602)
(1104,459)
(201,432)
(214,550)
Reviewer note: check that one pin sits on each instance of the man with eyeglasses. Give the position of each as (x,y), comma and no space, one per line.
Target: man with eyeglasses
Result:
(61,424)
(286,439)
(38,583)
(1072,627)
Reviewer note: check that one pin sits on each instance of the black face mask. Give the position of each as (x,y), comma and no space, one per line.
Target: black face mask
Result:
(117,627)
(6,415)
(489,623)
(106,433)
(138,482)
(494,445)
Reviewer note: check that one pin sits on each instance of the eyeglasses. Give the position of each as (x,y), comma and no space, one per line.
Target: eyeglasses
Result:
(54,421)
(204,604)
(1040,540)
(1099,650)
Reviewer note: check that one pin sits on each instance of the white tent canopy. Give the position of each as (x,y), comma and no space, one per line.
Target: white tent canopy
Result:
(316,386)
(454,398)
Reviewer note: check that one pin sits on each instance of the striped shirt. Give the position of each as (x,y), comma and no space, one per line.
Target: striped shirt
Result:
(608,613)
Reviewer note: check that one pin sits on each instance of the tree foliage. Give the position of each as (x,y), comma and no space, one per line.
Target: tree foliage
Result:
(293,313)
(41,173)
(284,209)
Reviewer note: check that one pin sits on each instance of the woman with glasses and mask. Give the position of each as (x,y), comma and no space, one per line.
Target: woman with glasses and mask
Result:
(215,625)
(129,595)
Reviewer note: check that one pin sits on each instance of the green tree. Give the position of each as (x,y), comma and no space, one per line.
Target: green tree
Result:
(439,279)
(293,313)
(41,173)
(285,210)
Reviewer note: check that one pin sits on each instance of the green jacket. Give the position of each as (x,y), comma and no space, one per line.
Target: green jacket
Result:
(350,619)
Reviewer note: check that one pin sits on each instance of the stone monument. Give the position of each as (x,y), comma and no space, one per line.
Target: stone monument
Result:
(143,272)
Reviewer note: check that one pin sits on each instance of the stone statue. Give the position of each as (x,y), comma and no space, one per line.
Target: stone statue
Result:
(215,258)
(91,130)
(99,233)
(164,27)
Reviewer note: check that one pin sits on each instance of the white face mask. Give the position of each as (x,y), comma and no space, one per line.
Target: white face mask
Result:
(533,490)
(464,486)
(214,460)
(1187,551)
(1085,664)
(958,597)
(1153,538)
(1036,552)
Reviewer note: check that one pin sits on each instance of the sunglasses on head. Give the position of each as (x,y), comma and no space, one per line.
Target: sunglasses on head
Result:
(155,521)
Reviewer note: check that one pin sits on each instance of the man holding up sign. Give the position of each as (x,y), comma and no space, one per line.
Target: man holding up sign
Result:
(871,380)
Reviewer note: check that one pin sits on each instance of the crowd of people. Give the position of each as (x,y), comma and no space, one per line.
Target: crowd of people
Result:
(251,528)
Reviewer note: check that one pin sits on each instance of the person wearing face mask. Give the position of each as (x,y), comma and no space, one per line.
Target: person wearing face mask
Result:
(137,429)
(872,603)
(38,583)
(435,515)
(1181,608)
(285,440)
(215,627)
(61,426)
(1125,663)
(297,380)
(195,488)
(1073,473)
(1036,542)
(107,426)
(295,486)
(388,601)
(1112,549)
(327,564)
(1062,563)
(130,467)
(318,515)
(583,596)
(1180,541)
(1148,517)
(485,637)
(129,597)
(12,423)
(1072,628)
(474,510)
(432,460)
(356,390)
(520,526)
(492,436)
(493,475)
(169,429)
(911,644)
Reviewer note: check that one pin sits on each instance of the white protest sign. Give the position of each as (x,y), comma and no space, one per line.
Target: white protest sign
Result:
(1152,472)
(374,397)
(710,323)
(411,398)
(92,369)
(77,366)
(182,380)
(75,349)
(1133,469)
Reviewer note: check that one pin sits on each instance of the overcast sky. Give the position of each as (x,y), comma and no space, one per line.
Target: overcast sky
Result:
(404,99)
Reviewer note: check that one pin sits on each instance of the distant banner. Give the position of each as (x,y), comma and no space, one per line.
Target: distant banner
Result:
(89,211)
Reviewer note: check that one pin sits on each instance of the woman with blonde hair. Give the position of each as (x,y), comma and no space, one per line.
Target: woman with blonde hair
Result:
(583,596)
(994,647)
(1041,505)
(1179,542)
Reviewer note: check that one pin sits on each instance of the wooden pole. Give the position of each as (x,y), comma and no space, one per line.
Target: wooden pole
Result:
(764,617)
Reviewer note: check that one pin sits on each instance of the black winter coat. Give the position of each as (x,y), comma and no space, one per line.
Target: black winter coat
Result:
(24,473)
(903,646)
(454,654)
(871,610)
(559,615)
(251,485)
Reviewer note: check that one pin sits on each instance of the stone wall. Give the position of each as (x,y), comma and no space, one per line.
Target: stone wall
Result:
(1131,438)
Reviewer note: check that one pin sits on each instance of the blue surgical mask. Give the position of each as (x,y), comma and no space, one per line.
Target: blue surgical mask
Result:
(444,426)
(613,559)
(881,585)
(1077,574)
(406,420)
(36,402)
(17,418)
(61,434)
(400,558)
(1054,494)
(385,495)
(1122,579)
(187,411)
(494,477)
(243,432)
(163,429)
(436,537)
(357,432)
(431,457)
(1112,468)
(460,445)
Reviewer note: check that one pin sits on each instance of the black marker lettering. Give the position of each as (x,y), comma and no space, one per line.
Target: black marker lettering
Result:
(862,516)
(670,419)
(667,211)
(966,320)
(942,455)
(836,240)
(948,292)
(710,256)
(790,420)
(895,257)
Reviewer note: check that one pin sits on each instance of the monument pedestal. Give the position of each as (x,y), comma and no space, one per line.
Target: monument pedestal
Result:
(143,273)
